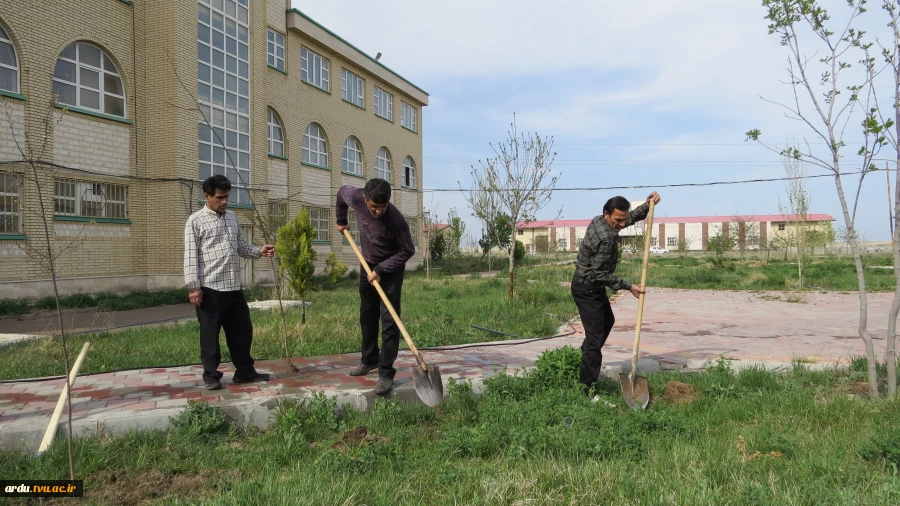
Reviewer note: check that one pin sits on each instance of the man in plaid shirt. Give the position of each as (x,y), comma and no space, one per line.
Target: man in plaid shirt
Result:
(594,267)
(212,272)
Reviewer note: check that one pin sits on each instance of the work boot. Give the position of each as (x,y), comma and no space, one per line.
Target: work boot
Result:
(213,384)
(363,369)
(384,386)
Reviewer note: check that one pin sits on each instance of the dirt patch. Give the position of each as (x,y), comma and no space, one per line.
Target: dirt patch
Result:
(860,388)
(677,392)
(360,436)
(118,487)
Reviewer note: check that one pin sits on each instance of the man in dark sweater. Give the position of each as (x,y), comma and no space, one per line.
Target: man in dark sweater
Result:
(387,245)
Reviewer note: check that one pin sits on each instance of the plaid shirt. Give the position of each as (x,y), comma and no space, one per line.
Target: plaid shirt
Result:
(599,252)
(212,247)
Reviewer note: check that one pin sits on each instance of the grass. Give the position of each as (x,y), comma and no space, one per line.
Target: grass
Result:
(695,272)
(437,311)
(750,438)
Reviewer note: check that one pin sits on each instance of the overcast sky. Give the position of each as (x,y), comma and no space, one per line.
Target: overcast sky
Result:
(634,93)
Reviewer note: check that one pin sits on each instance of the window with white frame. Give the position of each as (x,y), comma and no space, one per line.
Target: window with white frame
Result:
(781,226)
(352,88)
(562,245)
(383,165)
(278,211)
(275,50)
(276,135)
(11,191)
(384,103)
(86,77)
(753,241)
(351,160)
(407,116)
(223,90)
(314,148)
(671,242)
(320,219)
(413,229)
(409,172)
(313,68)
(9,64)
(89,199)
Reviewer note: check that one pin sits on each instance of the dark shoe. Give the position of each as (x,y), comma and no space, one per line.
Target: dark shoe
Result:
(363,369)
(259,377)
(213,384)
(384,386)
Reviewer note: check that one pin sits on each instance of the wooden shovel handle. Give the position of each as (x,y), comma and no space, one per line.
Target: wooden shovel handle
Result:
(387,303)
(640,312)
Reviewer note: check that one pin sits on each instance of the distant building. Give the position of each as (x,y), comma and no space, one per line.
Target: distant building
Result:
(566,235)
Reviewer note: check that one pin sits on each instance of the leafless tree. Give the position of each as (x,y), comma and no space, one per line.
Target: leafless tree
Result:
(518,181)
(745,232)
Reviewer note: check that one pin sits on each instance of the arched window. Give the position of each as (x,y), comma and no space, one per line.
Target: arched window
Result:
(383,164)
(276,135)
(351,160)
(315,150)
(86,77)
(409,172)
(9,64)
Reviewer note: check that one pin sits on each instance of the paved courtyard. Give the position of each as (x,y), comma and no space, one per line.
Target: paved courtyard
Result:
(682,329)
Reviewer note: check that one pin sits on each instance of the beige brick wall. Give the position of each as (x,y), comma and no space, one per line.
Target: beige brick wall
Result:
(11,110)
(277,179)
(275,14)
(82,143)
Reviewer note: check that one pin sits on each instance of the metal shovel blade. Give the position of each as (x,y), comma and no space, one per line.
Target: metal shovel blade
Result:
(428,385)
(635,390)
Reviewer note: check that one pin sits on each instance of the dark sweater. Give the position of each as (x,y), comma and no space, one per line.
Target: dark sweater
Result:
(385,242)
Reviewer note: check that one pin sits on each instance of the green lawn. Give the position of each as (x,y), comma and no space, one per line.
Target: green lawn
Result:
(749,439)
(437,311)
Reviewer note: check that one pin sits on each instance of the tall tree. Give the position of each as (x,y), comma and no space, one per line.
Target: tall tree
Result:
(517,181)
(818,84)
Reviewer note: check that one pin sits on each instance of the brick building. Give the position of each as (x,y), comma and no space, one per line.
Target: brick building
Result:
(695,231)
(154,96)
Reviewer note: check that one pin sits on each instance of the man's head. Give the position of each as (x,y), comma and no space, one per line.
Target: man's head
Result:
(615,212)
(377,194)
(216,190)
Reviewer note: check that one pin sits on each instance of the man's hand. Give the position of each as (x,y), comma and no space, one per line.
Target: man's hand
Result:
(267,250)
(653,196)
(196,297)
(637,290)
(373,276)
(341,228)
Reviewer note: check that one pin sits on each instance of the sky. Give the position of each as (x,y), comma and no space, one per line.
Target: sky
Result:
(633,93)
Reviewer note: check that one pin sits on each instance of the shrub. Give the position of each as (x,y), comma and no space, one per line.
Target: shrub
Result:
(201,420)
(519,253)
(334,268)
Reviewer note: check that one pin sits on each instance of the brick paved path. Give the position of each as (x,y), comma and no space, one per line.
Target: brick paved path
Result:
(682,328)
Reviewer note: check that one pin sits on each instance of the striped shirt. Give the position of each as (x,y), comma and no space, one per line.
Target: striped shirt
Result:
(598,255)
(212,250)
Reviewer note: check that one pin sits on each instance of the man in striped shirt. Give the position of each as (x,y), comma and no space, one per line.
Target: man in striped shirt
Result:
(213,248)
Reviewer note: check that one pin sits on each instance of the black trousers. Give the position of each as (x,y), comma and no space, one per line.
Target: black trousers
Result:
(371,310)
(226,310)
(597,318)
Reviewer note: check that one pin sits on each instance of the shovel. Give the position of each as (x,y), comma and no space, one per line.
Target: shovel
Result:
(426,379)
(635,388)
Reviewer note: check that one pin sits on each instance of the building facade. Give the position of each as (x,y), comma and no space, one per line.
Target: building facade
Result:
(130,104)
(694,231)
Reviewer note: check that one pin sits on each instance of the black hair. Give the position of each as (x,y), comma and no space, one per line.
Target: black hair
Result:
(616,203)
(378,191)
(217,182)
